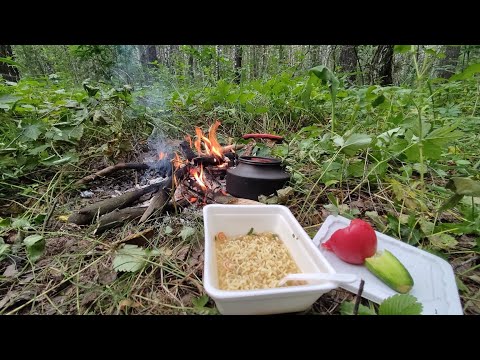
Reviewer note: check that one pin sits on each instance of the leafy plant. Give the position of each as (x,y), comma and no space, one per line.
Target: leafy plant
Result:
(327,77)
(400,304)
(35,245)
(130,258)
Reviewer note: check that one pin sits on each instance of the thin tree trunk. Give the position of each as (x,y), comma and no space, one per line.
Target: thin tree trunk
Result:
(217,62)
(8,72)
(447,65)
(382,64)
(190,66)
(314,55)
(238,52)
(254,61)
(348,62)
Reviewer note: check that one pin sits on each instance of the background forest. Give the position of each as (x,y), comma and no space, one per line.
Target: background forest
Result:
(388,133)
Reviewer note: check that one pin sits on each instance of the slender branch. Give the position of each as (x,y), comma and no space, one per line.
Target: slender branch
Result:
(110,169)
(359,297)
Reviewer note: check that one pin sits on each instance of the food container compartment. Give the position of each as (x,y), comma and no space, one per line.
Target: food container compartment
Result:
(236,220)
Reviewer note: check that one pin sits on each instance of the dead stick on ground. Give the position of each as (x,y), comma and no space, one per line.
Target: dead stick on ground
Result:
(359,297)
(117,218)
(88,213)
(141,236)
(160,199)
(110,169)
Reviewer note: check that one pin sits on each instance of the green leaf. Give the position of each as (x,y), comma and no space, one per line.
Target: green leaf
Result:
(187,232)
(4,249)
(464,186)
(347,309)
(35,246)
(75,132)
(21,223)
(201,301)
(37,150)
(130,258)
(356,168)
(467,73)
(9,99)
(402,49)
(427,227)
(9,61)
(356,142)
(327,76)
(66,158)
(400,304)
(378,100)
(32,132)
(377,219)
(443,241)
(451,202)
(91,90)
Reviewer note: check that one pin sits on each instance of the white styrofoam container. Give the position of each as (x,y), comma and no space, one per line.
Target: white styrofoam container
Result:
(236,220)
(434,280)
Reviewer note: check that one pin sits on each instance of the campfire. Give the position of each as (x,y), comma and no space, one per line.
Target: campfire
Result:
(193,173)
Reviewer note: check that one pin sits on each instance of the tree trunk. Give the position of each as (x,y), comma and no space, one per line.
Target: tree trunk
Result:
(348,62)
(447,65)
(148,54)
(382,64)
(190,66)
(281,55)
(9,73)
(254,61)
(238,51)
(314,55)
(217,62)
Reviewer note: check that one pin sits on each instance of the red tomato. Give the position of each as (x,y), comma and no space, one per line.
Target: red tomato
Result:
(353,244)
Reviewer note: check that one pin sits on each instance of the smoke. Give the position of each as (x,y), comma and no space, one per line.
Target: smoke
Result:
(151,84)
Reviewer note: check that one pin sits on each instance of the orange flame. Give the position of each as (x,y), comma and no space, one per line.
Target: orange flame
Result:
(215,146)
(189,139)
(193,199)
(198,140)
(177,161)
(210,145)
(199,177)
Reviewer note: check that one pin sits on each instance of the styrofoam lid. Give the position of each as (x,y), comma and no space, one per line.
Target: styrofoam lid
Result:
(434,280)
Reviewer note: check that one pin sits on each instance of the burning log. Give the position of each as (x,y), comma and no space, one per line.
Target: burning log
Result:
(212,160)
(229,148)
(110,169)
(187,150)
(117,218)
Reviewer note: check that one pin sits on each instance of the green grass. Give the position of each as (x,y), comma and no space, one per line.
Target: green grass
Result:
(380,180)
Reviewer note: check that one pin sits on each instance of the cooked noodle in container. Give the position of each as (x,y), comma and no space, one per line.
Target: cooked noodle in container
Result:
(248,249)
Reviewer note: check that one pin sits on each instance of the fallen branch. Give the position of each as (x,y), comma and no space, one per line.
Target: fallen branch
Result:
(140,238)
(111,169)
(158,202)
(359,297)
(117,218)
(85,216)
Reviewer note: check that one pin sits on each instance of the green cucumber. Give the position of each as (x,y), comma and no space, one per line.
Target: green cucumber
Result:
(391,271)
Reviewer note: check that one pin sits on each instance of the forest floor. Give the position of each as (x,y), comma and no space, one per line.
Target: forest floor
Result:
(75,274)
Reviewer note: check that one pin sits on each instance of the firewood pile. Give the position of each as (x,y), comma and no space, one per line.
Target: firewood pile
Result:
(193,174)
